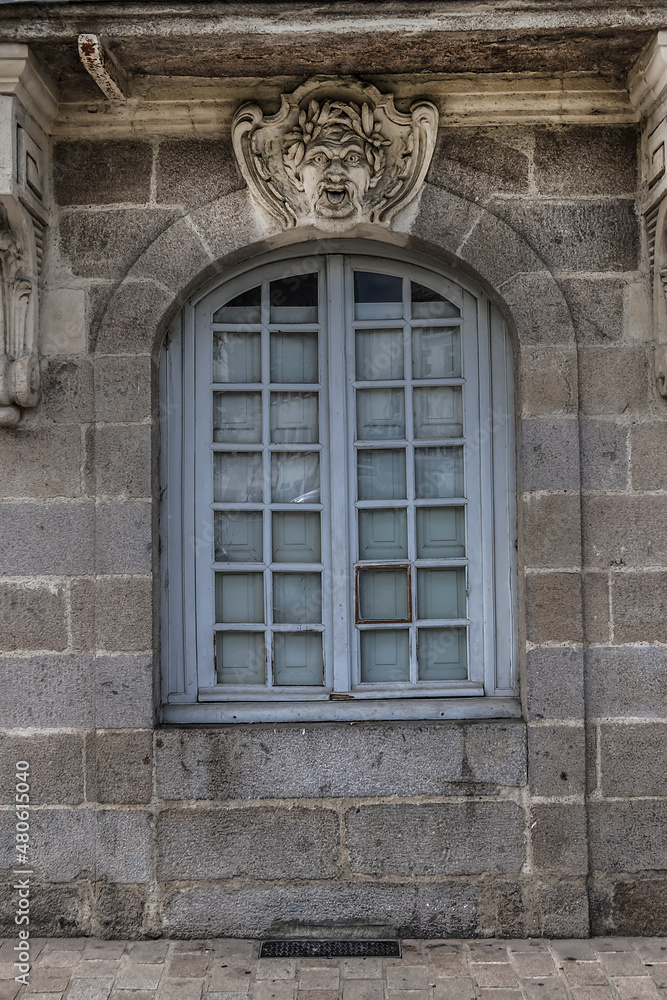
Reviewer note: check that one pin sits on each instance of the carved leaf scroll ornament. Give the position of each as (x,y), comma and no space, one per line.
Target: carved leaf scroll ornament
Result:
(19,366)
(335,154)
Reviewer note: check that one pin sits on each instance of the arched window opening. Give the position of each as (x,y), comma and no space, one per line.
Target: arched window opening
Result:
(338,523)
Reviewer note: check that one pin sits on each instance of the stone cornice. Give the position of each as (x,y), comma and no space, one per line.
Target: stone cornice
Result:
(22,77)
(187,105)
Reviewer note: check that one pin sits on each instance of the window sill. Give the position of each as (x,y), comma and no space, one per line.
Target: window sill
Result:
(337,711)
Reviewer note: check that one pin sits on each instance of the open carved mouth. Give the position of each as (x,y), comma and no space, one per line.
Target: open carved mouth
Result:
(335,195)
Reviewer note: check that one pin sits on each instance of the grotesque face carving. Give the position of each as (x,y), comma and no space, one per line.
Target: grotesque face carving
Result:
(336,154)
(334,157)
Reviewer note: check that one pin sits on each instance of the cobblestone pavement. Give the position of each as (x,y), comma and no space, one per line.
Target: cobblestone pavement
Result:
(225,969)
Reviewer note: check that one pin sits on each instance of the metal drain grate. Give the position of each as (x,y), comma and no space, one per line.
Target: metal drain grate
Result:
(330,949)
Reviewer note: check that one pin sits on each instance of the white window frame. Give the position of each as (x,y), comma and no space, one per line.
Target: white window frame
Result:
(189,690)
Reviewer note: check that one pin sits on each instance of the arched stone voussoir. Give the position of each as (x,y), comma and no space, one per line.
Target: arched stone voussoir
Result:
(502,259)
(181,259)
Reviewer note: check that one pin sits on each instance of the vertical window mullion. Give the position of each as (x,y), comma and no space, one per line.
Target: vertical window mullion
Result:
(340,476)
(410,472)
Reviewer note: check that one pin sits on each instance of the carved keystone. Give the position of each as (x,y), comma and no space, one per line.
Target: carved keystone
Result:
(335,154)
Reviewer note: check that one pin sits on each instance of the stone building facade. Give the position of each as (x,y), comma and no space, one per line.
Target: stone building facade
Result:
(538,812)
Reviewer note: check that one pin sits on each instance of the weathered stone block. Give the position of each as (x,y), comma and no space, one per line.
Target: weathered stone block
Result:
(613,380)
(123,771)
(596,307)
(124,613)
(176,257)
(41,462)
(553,607)
(127,323)
(270,843)
(47,691)
(56,760)
(82,614)
(124,695)
(497,250)
(123,389)
(604,455)
(124,845)
(551,530)
(67,391)
(626,682)
(640,907)
(63,911)
(477,162)
(539,310)
(554,684)
(575,235)
(548,382)
(63,322)
(647,446)
(550,455)
(62,843)
(597,616)
(101,173)
(119,911)
(196,171)
(32,617)
(639,607)
(556,760)
(122,465)
(444,218)
(448,909)
(634,759)
(563,908)
(228,224)
(628,836)
(123,538)
(625,531)
(319,760)
(558,837)
(580,159)
(53,539)
(105,243)
(468,838)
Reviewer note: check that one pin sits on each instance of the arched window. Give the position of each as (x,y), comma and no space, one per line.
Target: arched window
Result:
(338,524)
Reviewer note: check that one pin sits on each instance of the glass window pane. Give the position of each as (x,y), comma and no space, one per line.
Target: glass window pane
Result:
(385,655)
(239,597)
(294,418)
(383,595)
(436,352)
(296,537)
(237,477)
(240,657)
(294,357)
(294,299)
(438,412)
(380,414)
(440,532)
(238,536)
(297,658)
(381,474)
(441,654)
(383,534)
(295,477)
(237,417)
(439,472)
(236,357)
(245,308)
(441,593)
(427,304)
(297,598)
(379,354)
(377,296)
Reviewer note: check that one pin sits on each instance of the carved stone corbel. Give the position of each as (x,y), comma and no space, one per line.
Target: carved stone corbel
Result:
(27,106)
(647,83)
(336,153)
